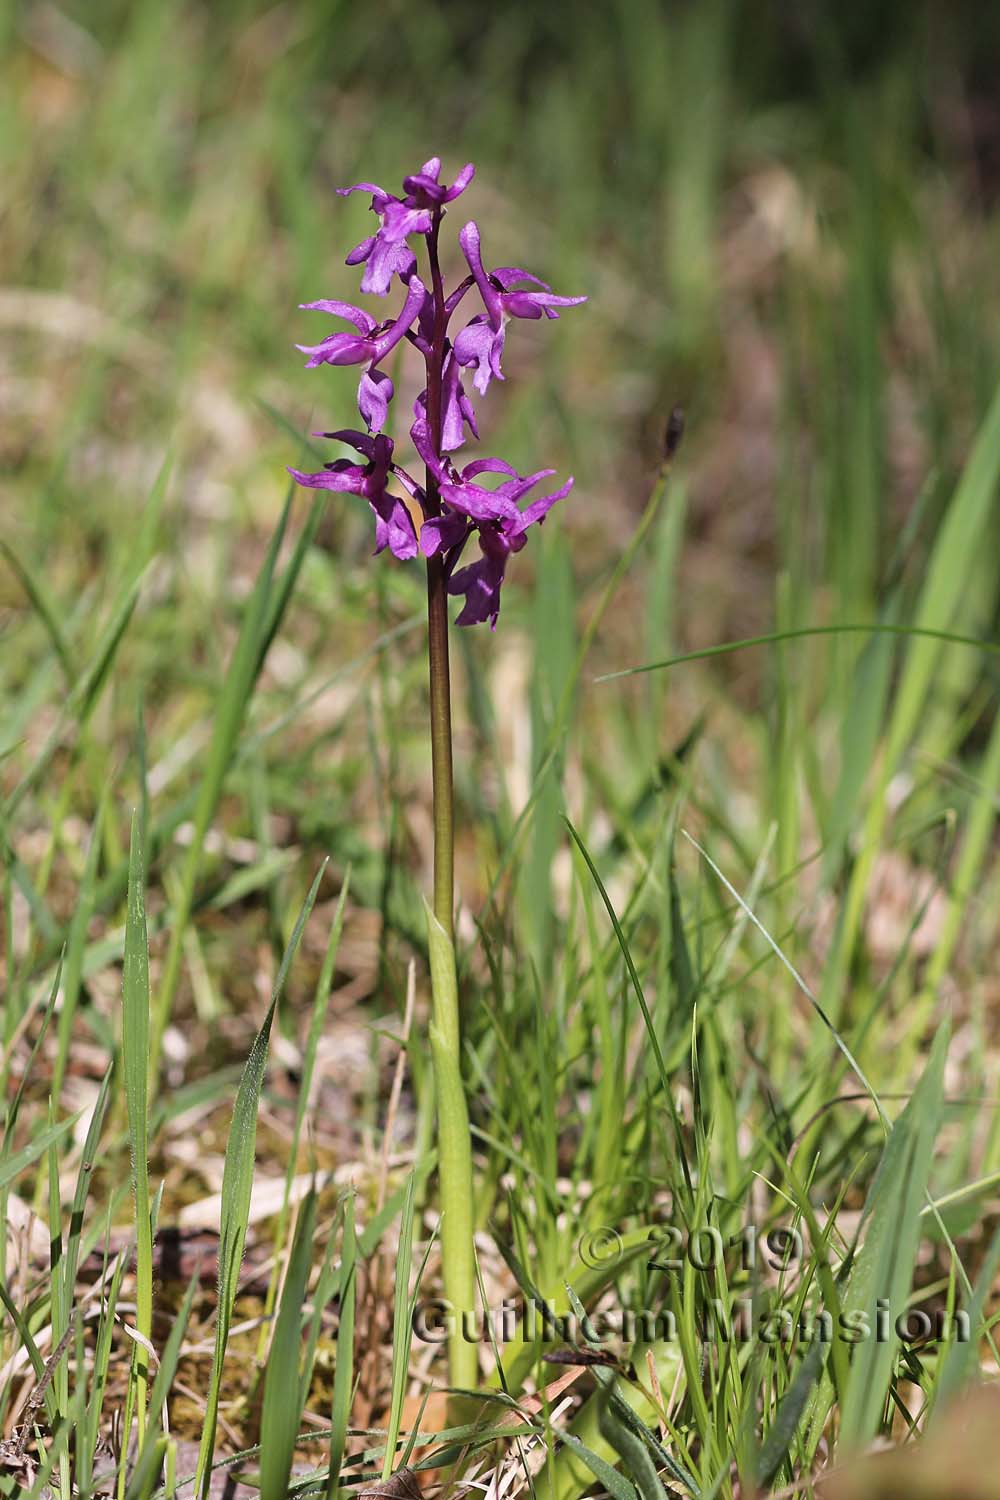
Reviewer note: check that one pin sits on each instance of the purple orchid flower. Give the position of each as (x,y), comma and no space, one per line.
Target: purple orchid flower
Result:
(423,190)
(457,412)
(393,525)
(373,340)
(386,254)
(371,343)
(495,515)
(456,504)
(481,342)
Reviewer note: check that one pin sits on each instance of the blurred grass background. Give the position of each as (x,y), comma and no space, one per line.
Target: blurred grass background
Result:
(779,214)
(786,219)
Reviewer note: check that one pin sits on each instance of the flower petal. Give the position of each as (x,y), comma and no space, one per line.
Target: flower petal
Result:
(338,349)
(481,505)
(461,182)
(488,466)
(539,509)
(375,392)
(423,188)
(363,321)
(519,486)
(415,294)
(360,252)
(509,276)
(385,260)
(348,480)
(381,456)
(534,304)
(468,238)
(359,440)
(400,219)
(379,195)
(521,305)
(394,528)
(480,583)
(480,345)
(441,533)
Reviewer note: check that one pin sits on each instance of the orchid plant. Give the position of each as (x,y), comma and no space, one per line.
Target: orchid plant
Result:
(438,517)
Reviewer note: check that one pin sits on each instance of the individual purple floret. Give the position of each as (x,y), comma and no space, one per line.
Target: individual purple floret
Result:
(457,412)
(386,254)
(393,525)
(500,524)
(373,341)
(451,506)
(424,191)
(481,342)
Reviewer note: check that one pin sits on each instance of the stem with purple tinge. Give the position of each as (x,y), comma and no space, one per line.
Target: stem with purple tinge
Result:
(453,1140)
(437,626)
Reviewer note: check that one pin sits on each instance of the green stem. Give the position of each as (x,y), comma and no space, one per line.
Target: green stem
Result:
(437,623)
(458,1265)
(454,1144)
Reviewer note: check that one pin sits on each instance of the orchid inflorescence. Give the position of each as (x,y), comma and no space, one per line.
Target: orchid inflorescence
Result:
(453,503)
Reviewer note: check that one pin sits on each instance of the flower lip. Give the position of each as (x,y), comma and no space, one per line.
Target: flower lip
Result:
(482,345)
(375,391)
(443,533)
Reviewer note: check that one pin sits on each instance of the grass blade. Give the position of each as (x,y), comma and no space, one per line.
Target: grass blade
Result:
(237,1184)
(135,1064)
(343,1375)
(781,1433)
(18,1160)
(44,608)
(961,1360)
(885,1262)
(401,1328)
(281,1414)
(321,1001)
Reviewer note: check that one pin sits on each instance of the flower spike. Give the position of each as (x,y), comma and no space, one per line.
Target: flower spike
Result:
(486,499)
